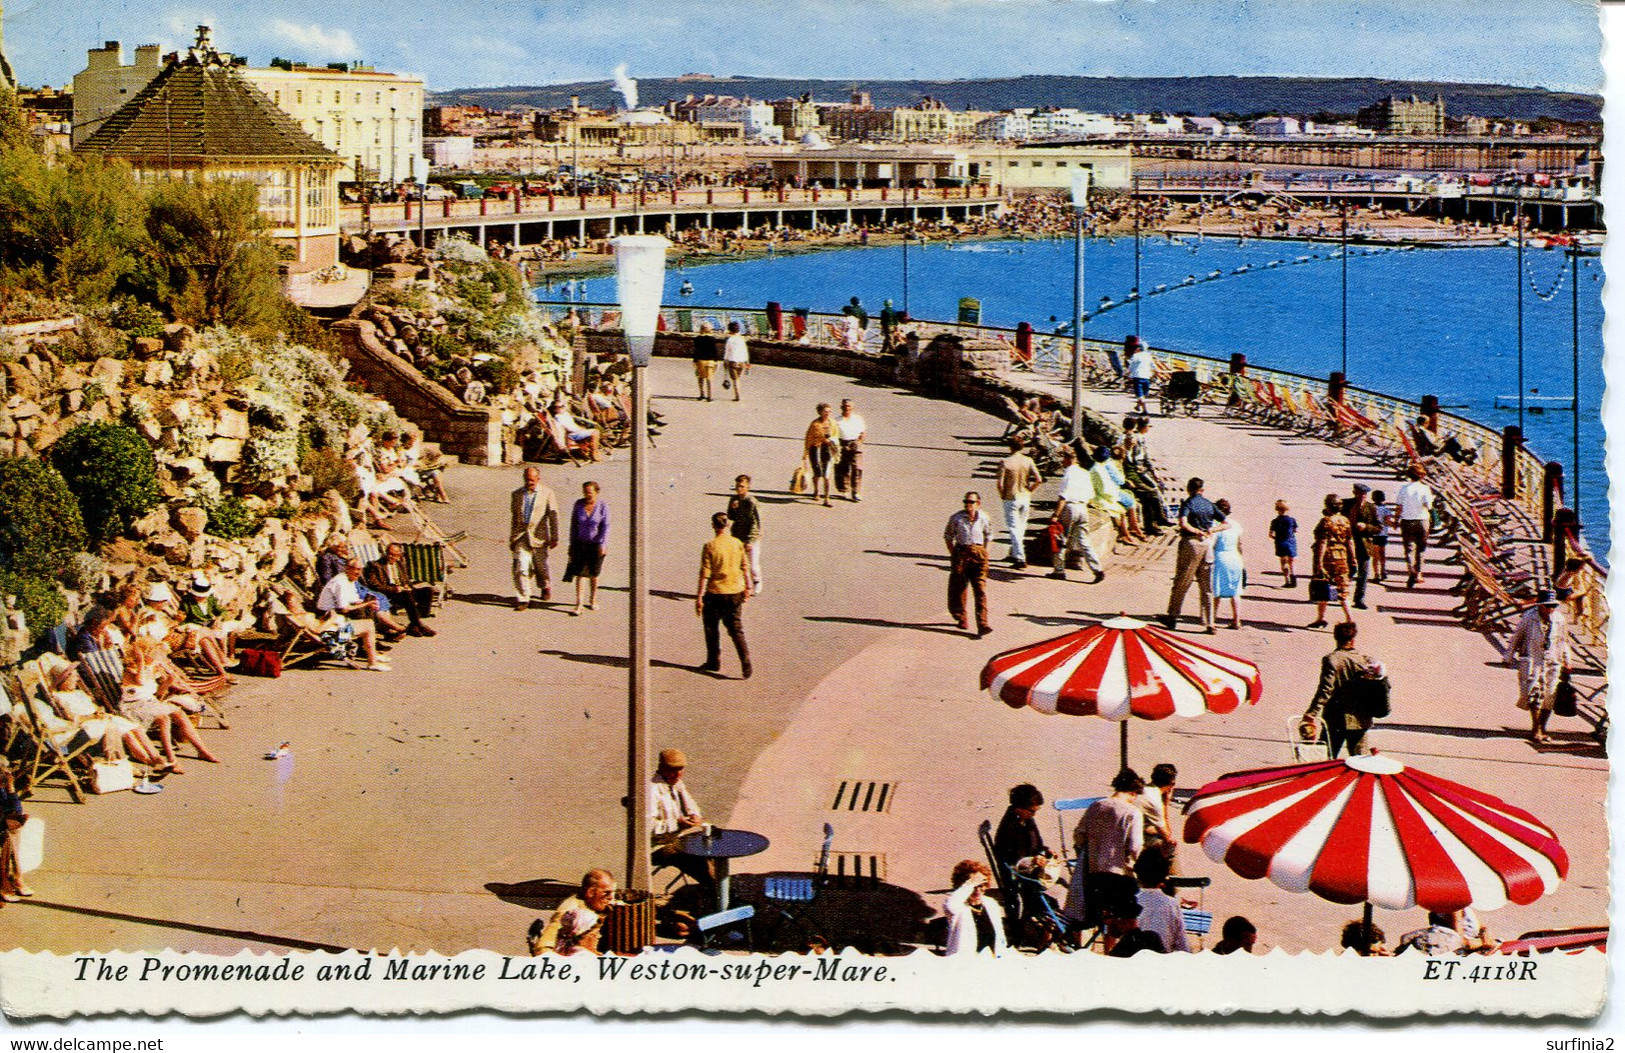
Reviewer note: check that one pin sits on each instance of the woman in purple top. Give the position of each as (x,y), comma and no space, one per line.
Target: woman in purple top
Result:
(589,540)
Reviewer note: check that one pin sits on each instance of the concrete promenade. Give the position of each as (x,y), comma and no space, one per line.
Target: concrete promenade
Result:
(438,806)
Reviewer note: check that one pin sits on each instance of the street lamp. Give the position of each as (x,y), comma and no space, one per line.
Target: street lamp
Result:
(908,236)
(1345,259)
(640,273)
(1080,200)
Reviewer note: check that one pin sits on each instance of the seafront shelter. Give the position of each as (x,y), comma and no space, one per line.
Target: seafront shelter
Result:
(200,118)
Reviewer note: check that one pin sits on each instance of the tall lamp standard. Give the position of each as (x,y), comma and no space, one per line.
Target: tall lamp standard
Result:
(908,236)
(1345,259)
(640,274)
(1080,200)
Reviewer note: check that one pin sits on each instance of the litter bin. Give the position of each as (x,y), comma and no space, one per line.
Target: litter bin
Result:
(970,311)
(629,926)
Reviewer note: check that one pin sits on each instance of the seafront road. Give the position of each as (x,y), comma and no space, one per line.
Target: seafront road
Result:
(438,806)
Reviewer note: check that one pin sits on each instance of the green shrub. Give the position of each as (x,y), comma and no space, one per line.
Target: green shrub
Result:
(41,602)
(231,519)
(112,471)
(329,471)
(83,572)
(137,319)
(40,521)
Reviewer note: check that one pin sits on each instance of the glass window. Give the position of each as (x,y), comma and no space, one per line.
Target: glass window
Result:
(298,97)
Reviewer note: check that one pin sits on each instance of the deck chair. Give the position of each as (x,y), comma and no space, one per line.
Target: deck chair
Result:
(1070,804)
(1024,901)
(725,925)
(426,565)
(102,673)
(57,744)
(299,636)
(366,551)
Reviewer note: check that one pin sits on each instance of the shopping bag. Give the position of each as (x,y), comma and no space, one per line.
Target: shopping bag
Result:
(112,776)
(30,841)
(801,479)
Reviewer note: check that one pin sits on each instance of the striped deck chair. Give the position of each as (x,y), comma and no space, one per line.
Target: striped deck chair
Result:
(426,565)
(102,672)
(366,551)
(57,744)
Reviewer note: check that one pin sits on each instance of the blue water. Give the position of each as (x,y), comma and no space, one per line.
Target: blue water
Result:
(1425,321)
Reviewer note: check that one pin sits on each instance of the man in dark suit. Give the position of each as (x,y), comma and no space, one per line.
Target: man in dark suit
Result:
(1363,522)
(533,532)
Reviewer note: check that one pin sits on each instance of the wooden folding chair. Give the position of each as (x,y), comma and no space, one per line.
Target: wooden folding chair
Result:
(58,747)
(426,565)
(713,927)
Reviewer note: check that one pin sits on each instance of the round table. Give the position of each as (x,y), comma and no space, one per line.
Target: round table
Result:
(722,846)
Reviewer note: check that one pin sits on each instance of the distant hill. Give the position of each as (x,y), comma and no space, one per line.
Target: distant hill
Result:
(1188,95)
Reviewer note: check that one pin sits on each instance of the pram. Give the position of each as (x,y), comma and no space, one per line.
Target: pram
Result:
(1182,389)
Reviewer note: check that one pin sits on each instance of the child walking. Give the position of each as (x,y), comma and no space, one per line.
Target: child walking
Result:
(1284,532)
(1387,517)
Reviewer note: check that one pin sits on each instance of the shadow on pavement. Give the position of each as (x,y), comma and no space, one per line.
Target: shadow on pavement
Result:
(540,894)
(948,629)
(616,661)
(187,926)
(870,916)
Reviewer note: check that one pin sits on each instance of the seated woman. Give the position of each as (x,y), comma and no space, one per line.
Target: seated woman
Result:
(418,471)
(97,633)
(577,433)
(126,610)
(75,708)
(377,500)
(151,698)
(1111,498)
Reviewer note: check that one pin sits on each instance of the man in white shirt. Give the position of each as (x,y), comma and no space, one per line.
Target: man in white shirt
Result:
(735,357)
(1141,368)
(1077,490)
(967,535)
(674,812)
(1415,500)
(342,596)
(851,430)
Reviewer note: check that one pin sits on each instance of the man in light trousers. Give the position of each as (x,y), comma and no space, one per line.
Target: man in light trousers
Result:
(533,532)
(1077,490)
(1018,477)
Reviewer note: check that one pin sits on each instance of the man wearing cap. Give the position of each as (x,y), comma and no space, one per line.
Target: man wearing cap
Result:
(1364,524)
(1345,725)
(210,632)
(1539,647)
(674,812)
(533,533)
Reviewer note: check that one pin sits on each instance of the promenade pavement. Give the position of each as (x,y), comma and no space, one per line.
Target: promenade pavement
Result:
(441,805)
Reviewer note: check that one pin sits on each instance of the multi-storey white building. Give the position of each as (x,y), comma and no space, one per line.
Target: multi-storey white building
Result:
(373,121)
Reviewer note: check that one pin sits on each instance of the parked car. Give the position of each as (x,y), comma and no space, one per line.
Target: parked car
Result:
(437,193)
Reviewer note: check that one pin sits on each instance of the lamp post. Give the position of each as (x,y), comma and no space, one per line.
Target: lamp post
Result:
(1518,218)
(1080,199)
(423,201)
(908,236)
(1345,258)
(1574,457)
(640,271)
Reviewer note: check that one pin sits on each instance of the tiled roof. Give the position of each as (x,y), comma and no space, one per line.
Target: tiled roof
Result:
(195,113)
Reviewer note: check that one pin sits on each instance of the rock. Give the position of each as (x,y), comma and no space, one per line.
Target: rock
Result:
(110,371)
(339,511)
(300,552)
(27,426)
(70,380)
(72,400)
(190,522)
(233,424)
(103,412)
(22,383)
(319,531)
(48,431)
(386,328)
(177,336)
(188,467)
(147,347)
(150,524)
(148,427)
(225,451)
(169,545)
(158,374)
(21,409)
(176,414)
(169,438)
(8,427)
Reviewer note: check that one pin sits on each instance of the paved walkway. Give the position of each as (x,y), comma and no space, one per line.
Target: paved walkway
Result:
(442,804)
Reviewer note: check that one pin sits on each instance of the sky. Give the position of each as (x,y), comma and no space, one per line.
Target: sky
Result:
(484,43)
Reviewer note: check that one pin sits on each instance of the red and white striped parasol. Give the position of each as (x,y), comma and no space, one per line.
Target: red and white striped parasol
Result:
(1120,668)
(1369,829)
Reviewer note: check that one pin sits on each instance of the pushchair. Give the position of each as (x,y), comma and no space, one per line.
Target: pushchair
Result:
(1182,390)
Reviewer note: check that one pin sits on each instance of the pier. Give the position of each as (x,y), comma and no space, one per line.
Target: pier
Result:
(533,219)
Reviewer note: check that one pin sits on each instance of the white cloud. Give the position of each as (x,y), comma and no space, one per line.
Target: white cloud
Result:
(315,39)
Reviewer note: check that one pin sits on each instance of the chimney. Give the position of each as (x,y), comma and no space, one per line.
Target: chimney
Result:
(575,103)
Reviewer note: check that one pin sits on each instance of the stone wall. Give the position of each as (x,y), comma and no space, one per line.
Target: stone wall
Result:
(472,433)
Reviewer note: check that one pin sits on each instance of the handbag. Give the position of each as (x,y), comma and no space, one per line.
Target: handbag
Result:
(111,776)
(254,661)
(801,479)
(30,842)
(1565,699)
(1321,590)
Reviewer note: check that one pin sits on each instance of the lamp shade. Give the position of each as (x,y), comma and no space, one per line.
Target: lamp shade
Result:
(1080,189)
(640,278)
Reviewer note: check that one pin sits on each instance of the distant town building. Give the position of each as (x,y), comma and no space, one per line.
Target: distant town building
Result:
(1157,124)
(371,120)
(1276,126)
(449,151)
(754,117)
(202,118)
(1042,167)
(797,117)
(1397,116)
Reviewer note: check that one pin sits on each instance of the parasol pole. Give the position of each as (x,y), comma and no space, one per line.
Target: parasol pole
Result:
(1122,743)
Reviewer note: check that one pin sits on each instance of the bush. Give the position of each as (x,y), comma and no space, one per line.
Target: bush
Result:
(231,519)
(112,471)
(137,319)
(40,521)
(41,602)
(83,573)
(329,471)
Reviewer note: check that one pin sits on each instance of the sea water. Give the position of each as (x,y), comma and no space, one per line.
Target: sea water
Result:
(1421,321)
